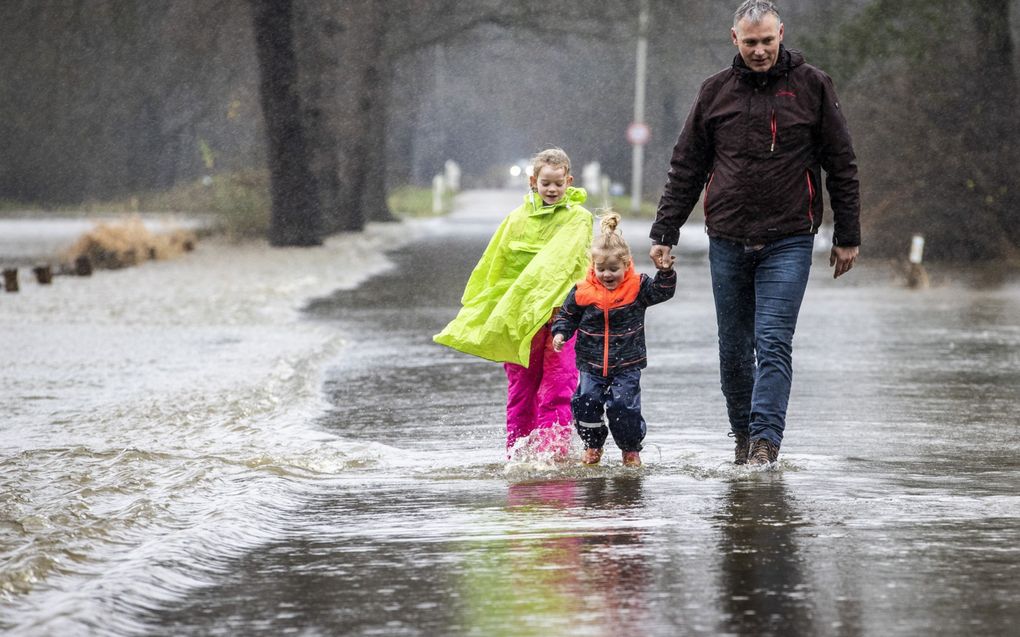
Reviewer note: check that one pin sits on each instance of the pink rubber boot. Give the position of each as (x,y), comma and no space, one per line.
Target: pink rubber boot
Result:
(522,388)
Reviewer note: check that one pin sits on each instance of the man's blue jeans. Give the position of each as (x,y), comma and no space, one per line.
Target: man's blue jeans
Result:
(758,291)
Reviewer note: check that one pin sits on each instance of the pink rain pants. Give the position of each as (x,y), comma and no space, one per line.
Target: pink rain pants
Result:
(538,396)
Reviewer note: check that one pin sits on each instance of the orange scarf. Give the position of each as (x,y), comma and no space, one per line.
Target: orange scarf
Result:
(591,291)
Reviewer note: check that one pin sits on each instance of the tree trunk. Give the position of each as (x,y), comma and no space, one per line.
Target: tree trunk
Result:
(373,202)
(319,53)
(296,213)
(997,97)
(377,79)
(363,24)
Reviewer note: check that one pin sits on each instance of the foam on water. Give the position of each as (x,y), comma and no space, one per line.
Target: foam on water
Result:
(150,414)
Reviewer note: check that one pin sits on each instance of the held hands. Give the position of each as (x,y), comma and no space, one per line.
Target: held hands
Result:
(558,342)
(842,259)
(662,258)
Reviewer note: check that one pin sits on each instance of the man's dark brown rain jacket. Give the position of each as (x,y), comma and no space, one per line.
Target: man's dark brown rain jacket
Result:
(757,143)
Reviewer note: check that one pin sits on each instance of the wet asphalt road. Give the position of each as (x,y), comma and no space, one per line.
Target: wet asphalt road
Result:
(894,510)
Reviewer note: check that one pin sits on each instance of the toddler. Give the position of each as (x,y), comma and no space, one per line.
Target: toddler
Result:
(607,310)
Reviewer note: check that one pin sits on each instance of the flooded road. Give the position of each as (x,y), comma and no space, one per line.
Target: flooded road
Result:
(894,512)
(389,510)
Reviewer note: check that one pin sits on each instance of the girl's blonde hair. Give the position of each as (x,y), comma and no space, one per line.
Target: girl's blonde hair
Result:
(554,157)
(609,240)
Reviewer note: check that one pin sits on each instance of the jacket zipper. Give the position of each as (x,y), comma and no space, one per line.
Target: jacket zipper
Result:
(772,148)
(811,198)
(605,343)
(708,187)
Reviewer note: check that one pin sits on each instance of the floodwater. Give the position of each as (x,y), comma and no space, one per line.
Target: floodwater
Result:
(215,463)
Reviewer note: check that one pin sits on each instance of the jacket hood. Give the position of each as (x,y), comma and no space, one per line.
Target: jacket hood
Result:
(572,196)
(787,60)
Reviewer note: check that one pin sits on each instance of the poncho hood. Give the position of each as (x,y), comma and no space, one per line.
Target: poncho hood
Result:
(572,196)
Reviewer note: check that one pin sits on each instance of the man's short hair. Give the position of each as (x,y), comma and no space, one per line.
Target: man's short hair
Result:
(755,11)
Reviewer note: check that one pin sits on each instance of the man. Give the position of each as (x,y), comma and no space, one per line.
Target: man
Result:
(756,139)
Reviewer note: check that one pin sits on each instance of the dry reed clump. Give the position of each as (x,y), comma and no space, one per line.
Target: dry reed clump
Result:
(118,245)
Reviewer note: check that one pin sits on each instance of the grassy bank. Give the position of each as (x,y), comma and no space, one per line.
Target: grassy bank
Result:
(413,201)
(240,203)
(237,204)
(622,205)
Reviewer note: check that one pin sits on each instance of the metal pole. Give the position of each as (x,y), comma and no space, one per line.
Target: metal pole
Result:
(637,164)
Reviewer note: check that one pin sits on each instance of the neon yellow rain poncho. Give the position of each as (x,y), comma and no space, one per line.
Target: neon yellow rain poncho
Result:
(536,255)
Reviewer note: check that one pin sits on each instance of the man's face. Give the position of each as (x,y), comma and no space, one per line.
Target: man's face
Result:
(758,43)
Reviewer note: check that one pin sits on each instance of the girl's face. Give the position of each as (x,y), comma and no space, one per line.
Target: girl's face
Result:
(609,268)
(550,183)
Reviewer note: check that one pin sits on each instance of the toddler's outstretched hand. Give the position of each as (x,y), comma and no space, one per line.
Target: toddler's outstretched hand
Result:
(558,342)
(661,257)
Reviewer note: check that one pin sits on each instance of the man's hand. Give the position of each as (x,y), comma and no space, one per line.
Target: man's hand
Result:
(843,259)
(558,342)
(661,256)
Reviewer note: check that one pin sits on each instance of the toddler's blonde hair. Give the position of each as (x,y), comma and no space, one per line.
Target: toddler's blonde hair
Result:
(610,241)
(554,157)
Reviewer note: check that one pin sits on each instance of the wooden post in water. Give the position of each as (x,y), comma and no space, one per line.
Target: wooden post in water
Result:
(83,266)
(43,274)
(11,279)
(917,278)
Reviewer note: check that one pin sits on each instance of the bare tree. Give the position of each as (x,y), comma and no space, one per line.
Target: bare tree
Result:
(296,208)
(377,76)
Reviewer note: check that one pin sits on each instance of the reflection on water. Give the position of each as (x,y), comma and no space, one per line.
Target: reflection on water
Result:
(763,590)
(556,580)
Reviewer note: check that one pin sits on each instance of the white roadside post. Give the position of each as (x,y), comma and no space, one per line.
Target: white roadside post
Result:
(438,186)
(451,171)
(591,178)
(917,277)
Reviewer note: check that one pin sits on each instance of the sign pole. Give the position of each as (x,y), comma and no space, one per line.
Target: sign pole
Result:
(638,160)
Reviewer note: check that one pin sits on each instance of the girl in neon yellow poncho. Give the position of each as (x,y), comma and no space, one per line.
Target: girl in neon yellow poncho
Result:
(537,254)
